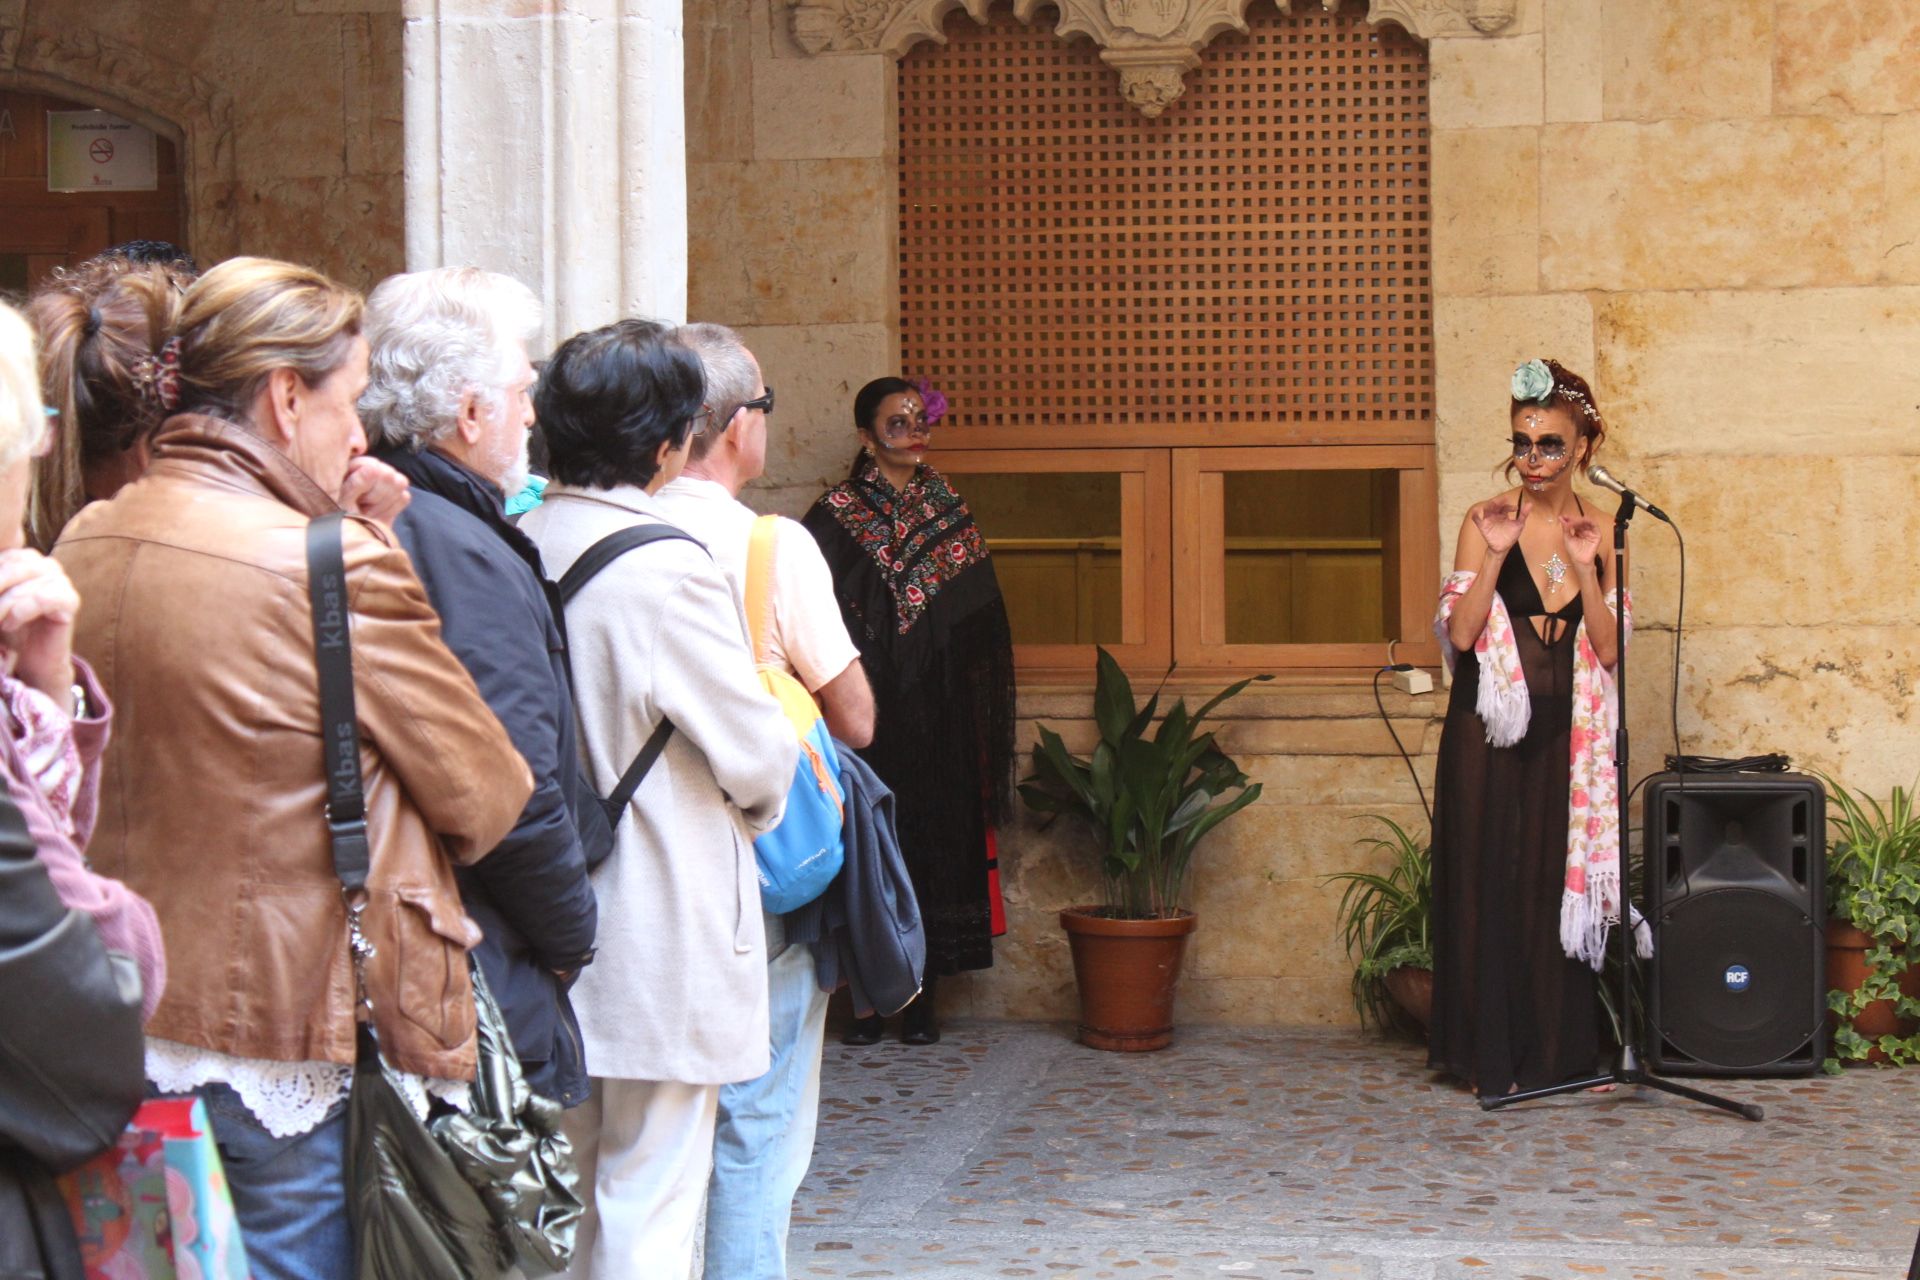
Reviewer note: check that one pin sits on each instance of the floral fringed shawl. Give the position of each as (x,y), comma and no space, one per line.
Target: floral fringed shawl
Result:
(1590,901)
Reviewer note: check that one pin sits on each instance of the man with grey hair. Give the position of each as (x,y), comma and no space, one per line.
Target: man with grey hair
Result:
(763,1138)
(449,404)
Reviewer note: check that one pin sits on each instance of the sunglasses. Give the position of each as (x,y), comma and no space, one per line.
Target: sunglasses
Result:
(1550,448)
(763,403)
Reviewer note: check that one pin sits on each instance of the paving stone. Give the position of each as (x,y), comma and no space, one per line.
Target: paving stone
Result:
(1009,1150)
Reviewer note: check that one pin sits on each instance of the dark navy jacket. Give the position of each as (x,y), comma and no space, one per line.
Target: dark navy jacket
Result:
(865,930)
(530,895)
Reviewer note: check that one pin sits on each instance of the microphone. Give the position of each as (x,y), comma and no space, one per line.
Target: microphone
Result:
(1605,479)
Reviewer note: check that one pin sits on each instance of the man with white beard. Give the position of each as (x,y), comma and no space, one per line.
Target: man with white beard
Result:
(449,404)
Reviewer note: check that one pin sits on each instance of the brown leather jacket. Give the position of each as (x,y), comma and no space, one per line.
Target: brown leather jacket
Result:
(195,616)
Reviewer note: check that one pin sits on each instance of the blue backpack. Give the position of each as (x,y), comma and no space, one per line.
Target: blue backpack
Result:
(799,858)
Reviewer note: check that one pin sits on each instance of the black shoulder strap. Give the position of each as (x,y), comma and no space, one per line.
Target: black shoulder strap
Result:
(611,548)
(339,722)
(578,574)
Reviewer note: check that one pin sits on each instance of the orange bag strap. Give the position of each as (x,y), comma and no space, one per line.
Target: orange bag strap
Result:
(759,585)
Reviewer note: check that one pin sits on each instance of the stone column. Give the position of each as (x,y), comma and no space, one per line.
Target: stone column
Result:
(546,139)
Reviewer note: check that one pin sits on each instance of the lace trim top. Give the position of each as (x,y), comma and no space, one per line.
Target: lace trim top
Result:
(288,1098)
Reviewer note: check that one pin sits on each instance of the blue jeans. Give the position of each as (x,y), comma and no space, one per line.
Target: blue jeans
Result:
(290,1194)
(763,1140)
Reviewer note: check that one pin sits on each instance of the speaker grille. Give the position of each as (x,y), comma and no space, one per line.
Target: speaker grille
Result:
(1735,967)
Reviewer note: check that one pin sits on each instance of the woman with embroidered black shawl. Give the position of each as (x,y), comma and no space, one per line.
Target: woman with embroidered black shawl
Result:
(919,596)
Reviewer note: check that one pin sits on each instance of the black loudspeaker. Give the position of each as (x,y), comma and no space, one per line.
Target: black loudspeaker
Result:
(1736,891)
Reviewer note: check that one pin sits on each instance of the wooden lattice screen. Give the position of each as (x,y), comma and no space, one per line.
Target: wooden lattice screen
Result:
(1258,254)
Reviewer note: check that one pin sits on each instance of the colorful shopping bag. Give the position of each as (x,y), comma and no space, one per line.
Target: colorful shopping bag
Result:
(156,1206)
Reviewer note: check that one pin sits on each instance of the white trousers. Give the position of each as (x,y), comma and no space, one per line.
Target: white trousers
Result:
(645,1149)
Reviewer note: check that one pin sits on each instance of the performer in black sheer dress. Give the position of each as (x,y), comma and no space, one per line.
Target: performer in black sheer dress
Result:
(1526,841)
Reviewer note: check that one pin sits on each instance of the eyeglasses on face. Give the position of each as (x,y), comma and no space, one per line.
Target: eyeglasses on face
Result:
(764,403)
(1550,448)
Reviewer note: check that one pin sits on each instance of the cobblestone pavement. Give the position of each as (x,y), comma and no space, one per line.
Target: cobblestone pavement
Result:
(1009,1150)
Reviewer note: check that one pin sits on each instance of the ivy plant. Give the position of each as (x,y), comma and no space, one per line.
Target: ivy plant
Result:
(1873,884)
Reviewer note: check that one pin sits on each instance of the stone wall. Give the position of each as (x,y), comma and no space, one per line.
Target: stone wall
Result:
(790,193)
(287,112)
(1714,208)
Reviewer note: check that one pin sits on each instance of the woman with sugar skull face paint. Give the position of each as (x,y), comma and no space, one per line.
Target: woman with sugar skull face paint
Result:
(1526,845)
(918,593)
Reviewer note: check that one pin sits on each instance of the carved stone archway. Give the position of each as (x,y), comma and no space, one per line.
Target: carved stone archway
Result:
(1151,43)
(168,97)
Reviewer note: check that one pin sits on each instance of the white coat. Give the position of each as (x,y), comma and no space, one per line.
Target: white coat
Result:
(678,989)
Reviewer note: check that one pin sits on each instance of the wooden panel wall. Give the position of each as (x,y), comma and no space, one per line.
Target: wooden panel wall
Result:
(1257,255)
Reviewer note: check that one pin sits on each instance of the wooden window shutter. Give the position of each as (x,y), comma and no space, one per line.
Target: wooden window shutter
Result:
(1249,268)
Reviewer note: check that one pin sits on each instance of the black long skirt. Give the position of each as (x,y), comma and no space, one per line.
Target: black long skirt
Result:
(1510,1010)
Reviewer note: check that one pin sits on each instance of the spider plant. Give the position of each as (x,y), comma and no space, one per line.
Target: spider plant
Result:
(1386,918)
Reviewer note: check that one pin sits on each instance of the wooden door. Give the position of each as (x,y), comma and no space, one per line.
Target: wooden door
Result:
(41,229)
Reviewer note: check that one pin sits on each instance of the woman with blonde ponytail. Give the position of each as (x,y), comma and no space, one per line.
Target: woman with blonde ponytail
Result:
(103,328)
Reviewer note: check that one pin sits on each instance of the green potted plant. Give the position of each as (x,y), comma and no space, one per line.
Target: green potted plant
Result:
(1873,901)
(1149,798)
(1386,921)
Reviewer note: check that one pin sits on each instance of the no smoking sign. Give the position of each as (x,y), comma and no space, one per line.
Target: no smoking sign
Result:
(99,151)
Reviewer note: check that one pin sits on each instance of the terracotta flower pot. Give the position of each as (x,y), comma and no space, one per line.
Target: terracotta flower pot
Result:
(1127,971)
(1847,968)
(1412,990)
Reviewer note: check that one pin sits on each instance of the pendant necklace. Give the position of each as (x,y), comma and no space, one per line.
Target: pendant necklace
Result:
(1556,572)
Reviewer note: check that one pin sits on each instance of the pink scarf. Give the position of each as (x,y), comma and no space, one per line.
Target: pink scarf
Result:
(1590,900)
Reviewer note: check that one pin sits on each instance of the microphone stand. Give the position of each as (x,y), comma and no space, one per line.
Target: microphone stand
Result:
(1627,1066)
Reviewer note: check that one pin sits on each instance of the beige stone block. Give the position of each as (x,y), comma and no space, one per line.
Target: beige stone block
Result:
(1781,540)
(822,108)
(1860,56)
(288,81)
(1574,60)
(816,369)
(374,68)
(384,7)
(1477,343)
(1476,83)
(1733,374)
(1711,204)
(1341,780)
(1704,58)
(350,228)
(818,108)
(1900,263)
(719,79)
(792,241)
(1486,211)
(1317,737)
(522,10)
(1840,699)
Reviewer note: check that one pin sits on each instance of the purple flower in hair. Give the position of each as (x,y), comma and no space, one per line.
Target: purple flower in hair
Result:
(931,397)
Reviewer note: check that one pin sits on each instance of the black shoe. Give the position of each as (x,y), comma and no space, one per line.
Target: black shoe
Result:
(861,1032)
(919,1025)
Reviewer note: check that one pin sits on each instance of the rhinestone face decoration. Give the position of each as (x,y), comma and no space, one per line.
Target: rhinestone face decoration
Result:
(1556,572)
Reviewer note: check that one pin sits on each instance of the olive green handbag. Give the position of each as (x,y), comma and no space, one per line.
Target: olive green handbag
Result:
(462,1195)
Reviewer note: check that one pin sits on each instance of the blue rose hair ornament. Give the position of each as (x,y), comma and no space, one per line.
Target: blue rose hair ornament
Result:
(1533,381)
